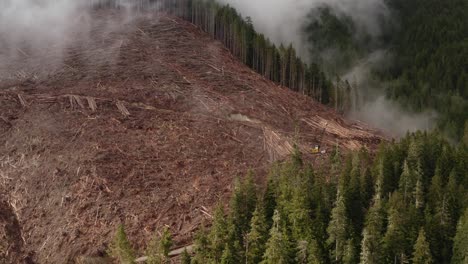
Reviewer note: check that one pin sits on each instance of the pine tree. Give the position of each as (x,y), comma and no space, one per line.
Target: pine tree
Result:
(278,247)
(355,204)
(120,249)
(351,253)
(217,237)
(315,255)
(269,201)
(338,228)
(419,193)
(371,244)
(201,244)
(257,237)
(302,256)
(159,247)
(396,237)
(406,184)
(366,188)
(228,256)
(422,253)
(460,242)
(243,203)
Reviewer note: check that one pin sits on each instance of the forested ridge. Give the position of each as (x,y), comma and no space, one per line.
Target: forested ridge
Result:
(426,43)
(431,63)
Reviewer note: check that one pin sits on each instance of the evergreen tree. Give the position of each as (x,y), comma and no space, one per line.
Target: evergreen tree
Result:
(278,248)
(406,184)
(371,244)
(351,253)
(315,253)
(460,244)
(120,249)
(366,189)
(269,200)
(257,237)
(218,235)
(159,247)
(302,256)
(422,253)
(397,236)
(228,256)
(355,202)
(338,229)
(201,244)
(243,203)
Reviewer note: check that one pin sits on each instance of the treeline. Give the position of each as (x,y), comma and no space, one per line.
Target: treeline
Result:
(408,204)
(279,64)
(426,66)
(431,62)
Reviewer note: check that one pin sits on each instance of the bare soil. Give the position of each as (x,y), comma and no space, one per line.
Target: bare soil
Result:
(145,125)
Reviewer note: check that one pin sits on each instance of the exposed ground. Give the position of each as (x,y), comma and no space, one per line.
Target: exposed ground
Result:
(145,124)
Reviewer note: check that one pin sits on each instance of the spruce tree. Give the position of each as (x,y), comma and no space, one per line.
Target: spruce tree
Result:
(406,183)
(315,253)
(366,189)
(278,248)
(338,228)
(201,249)
(351,252)
(120,249)
(257,237)
(217,237)
(419,193)
(371,244)
(159,247)
(302,256)
(396,237)
(228,256)
(460,242)
(269,200)
(422,252)
(243,203)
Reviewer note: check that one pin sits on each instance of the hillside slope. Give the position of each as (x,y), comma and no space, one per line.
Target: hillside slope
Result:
(145,124)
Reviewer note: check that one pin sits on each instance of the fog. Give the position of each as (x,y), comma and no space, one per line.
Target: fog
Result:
(283,22)
(35,34)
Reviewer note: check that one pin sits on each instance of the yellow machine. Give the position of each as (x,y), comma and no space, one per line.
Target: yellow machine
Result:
(317,148)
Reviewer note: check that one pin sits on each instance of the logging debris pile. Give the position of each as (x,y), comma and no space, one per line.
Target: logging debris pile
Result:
(146,125)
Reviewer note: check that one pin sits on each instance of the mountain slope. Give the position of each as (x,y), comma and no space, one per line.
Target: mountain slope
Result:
(146,124)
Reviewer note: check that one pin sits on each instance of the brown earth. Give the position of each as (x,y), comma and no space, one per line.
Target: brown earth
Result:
(146,124)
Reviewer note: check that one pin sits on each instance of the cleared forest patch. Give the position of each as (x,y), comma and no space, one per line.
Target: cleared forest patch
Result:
(141,133)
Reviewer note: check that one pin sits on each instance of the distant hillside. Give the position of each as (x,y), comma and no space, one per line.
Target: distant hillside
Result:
(427,47)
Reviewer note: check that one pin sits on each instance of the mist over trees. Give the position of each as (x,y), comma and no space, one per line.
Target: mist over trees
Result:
(278,63)
(422,43)
(427,55)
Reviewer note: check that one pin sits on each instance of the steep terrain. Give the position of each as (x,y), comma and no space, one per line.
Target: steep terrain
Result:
(145,124)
